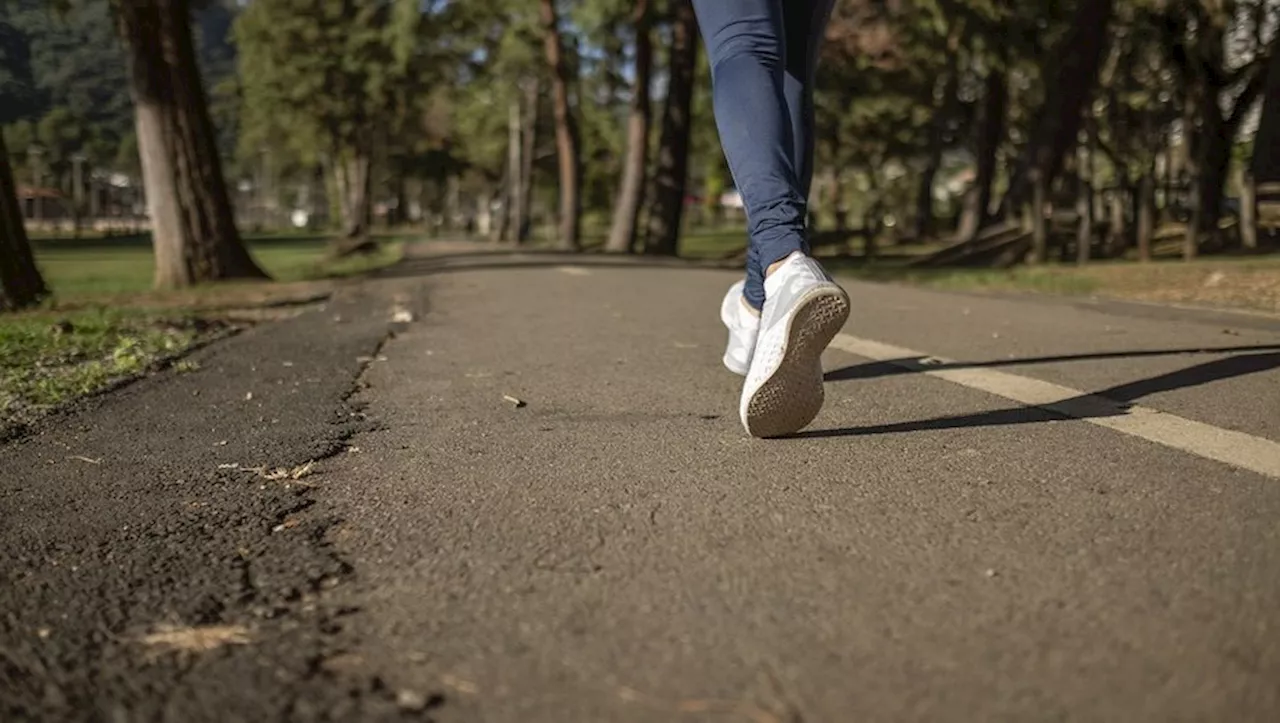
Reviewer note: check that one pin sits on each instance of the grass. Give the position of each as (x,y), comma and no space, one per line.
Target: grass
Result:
(1241,282)
(85,268)
(1040,280)
(105,324)
(1251,283)
(47,359)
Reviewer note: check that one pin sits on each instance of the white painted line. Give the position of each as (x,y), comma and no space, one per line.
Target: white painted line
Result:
(1237,449)
(573,270)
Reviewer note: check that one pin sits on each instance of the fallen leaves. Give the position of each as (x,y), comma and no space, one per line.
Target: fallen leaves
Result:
(295,473)
(197,639)
(275,474)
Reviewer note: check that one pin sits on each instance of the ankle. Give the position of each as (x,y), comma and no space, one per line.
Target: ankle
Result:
(778,264)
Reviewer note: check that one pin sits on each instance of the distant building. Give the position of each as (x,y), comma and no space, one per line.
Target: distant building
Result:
(44,204)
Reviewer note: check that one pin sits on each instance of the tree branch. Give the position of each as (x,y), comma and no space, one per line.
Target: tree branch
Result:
(1244,101)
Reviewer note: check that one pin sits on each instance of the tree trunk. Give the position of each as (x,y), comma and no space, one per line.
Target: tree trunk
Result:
(515,167)
(1084,204)
(20,281)
(1039,225)
(990,134)
(1212,147)
(1190,157)
(77,192)
(871,223)
(924,222)
(453,212)
(1071,76)
(626,214)
(1265,166)
(192,223)
(838,201)
(670,174)
(352,177)
(1191,236)
(567,141)
(1248,211)
(498,233)
(499,219)
(1146,220)
(1211,173)
(1117,223)
(529,136)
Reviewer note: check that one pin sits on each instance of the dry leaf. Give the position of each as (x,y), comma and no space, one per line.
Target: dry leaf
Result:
(197,639)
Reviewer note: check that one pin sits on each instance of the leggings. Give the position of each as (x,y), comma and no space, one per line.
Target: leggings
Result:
(763,55)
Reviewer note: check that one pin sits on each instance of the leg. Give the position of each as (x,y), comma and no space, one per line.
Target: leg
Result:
(805,22)
(747,49)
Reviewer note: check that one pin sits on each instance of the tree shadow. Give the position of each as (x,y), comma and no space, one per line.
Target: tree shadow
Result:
(1112,402)
(913,365)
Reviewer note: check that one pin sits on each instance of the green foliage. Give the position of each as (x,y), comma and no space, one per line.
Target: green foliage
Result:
(325,76)
(62,71)
(19,97)
(425,88)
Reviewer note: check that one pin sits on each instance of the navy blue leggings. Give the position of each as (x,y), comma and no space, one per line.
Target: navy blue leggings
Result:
(763,54)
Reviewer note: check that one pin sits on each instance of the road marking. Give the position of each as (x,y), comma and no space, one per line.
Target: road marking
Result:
(573,270)
(1237,449)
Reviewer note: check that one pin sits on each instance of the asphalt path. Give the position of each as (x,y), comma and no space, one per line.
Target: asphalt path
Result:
(1011,508)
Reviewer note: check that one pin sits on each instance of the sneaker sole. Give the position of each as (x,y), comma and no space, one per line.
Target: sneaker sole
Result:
(792,396)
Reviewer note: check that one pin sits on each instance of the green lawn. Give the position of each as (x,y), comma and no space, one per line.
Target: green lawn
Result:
(1244,282)
(80,269)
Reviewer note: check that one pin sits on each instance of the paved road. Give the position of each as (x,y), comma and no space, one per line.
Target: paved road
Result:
(1010,509)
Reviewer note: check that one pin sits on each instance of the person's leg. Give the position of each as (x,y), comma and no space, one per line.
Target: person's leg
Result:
(801,308)
(747,50)
(805,22)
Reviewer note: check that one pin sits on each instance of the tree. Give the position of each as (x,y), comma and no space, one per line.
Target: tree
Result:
(626,214)
(1265,163)
(989,134)
(193,228)
(19,96)
(567,137)
(1069,80)
(513,47)
(20,281)
(341,83)
(672,170)
(528,144)
(1217,98)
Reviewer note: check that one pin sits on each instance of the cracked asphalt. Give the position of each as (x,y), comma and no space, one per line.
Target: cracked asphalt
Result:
(615,548)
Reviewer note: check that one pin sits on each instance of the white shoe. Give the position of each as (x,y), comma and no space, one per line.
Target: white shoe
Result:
(743,327)
(803,310)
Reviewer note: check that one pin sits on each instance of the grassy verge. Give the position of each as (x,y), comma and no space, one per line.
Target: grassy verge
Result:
(105,269)
(106,325)
(1247,283)
(48,359)
(1240,283)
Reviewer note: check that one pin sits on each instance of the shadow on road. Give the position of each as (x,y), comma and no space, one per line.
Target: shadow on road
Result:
(871,370)
(1111,402)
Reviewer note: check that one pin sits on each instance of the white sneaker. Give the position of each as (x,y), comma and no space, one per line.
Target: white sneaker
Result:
(743,327)
(803,310)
